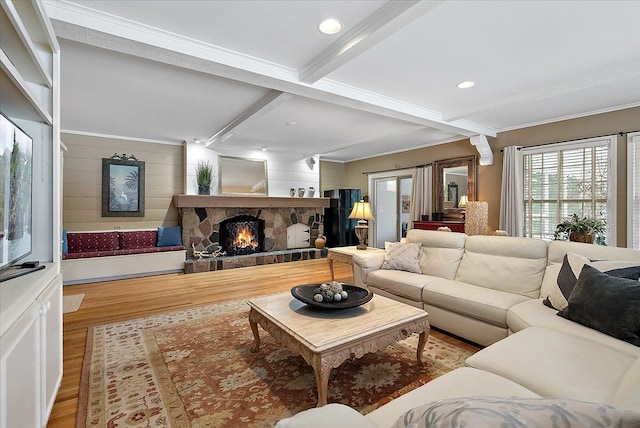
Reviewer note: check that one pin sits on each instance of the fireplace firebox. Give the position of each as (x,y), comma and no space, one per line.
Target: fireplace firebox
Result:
(243,234)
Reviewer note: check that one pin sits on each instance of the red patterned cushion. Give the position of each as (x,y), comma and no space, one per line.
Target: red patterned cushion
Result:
(89,242)
(138,239)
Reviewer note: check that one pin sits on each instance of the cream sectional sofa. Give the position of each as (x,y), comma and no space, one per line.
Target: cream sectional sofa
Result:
(490,290)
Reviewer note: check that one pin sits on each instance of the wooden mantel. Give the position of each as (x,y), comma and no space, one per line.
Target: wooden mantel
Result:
(204,201)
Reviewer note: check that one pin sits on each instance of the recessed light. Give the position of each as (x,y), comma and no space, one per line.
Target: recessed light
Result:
(330,26)
(263,148)
(466,84)
(291,123)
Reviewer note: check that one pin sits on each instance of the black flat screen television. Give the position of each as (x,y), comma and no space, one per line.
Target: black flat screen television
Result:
(16,166)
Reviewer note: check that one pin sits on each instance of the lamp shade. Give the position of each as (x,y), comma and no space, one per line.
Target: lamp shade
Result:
(464,200)
(361,210)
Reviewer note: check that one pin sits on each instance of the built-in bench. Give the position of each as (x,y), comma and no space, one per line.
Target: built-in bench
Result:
(108,255)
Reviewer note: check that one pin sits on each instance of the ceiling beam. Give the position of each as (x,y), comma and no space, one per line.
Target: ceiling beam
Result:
(85,25)
(397,132)
(258,109)
(391,17)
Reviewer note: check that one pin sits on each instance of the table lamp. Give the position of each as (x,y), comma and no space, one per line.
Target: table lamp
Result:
(362,212)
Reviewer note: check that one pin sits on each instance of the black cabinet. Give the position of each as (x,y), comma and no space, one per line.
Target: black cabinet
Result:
(338,228)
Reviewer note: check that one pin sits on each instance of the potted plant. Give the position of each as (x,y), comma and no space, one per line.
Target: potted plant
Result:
(204,172)
(583,229)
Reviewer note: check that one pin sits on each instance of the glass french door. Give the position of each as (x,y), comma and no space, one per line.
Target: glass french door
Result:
(390,201)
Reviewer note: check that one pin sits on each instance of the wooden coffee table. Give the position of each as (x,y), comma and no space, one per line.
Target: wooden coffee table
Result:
(327,338)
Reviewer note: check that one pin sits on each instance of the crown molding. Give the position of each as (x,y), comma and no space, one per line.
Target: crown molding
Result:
(568,86)
(570,117)
(119,137)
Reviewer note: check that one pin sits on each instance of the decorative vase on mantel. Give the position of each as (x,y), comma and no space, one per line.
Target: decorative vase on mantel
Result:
(204,190)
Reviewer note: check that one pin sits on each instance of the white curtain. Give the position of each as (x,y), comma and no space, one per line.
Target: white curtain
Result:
(511,203)
(421,193)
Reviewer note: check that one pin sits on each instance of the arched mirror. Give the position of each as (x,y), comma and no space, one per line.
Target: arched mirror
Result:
(454,183)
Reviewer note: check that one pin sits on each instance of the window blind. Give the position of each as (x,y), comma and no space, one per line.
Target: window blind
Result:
(633,190)
(569,178)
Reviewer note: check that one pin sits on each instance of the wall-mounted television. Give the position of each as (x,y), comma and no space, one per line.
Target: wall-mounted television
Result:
(16,166)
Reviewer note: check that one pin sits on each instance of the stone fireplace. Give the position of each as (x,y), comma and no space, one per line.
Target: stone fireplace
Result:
(240,235)
(211,223)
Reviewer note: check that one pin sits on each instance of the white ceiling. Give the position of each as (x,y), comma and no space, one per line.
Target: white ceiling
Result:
(236,73)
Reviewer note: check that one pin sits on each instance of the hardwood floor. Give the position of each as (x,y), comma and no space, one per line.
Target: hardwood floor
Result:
(113,301)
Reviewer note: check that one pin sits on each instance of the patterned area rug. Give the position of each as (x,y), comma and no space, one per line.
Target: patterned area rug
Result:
(194,368)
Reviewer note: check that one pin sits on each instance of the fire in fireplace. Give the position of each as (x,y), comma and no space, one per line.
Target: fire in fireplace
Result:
(242,234)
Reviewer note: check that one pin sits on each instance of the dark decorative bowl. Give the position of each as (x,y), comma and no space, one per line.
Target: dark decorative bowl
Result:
(357,296)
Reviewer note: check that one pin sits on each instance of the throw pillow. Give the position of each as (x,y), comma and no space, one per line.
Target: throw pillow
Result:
(570,271)
(65,243)
(607,304)
(169,236)
(402,256)
(515,411)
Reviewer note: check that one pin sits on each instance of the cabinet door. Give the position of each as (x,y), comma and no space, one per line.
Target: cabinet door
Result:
(51,318)
(20,391)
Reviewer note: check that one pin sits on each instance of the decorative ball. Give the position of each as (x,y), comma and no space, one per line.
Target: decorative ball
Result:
(327,295)
(317,297)
(337,297)
(344,294)
(335,286)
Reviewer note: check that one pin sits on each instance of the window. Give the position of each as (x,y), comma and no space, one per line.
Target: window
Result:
(569,178)
(633,190)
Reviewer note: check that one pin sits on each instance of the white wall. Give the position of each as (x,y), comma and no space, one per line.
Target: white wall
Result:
(284,170)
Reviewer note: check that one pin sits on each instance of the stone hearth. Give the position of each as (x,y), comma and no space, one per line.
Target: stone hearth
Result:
(257,259)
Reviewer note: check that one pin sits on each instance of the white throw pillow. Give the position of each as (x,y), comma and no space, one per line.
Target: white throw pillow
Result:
(402,256)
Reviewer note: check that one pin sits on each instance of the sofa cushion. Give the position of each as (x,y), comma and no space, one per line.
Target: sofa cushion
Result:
(400,283)
(483,411)
(481,303)
(514,265)
(82,242)
(569,272)
(628,394)
(557,250)
(440,253)
(135,239)
(555,364)
(402,256)
(606,303)
(328,416)
(169,236)
(533,313)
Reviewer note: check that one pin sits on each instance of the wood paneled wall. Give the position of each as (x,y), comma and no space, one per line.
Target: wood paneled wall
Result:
(82,182)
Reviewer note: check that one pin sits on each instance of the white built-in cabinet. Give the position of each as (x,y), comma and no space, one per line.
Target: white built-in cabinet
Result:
(31,305)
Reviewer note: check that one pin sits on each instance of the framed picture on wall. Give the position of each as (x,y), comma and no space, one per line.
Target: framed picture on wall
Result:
(122,187)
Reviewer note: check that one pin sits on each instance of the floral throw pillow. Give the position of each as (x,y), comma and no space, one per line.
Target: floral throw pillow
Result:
(402,256)
(516,412)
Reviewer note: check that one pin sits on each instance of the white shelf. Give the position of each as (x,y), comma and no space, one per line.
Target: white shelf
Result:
(11,74)
(20,47)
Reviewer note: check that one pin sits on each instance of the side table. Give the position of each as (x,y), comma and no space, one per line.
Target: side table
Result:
(344,255)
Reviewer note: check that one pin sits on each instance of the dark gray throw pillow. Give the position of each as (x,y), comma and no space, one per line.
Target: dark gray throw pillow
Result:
(607,304)
(572,264)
